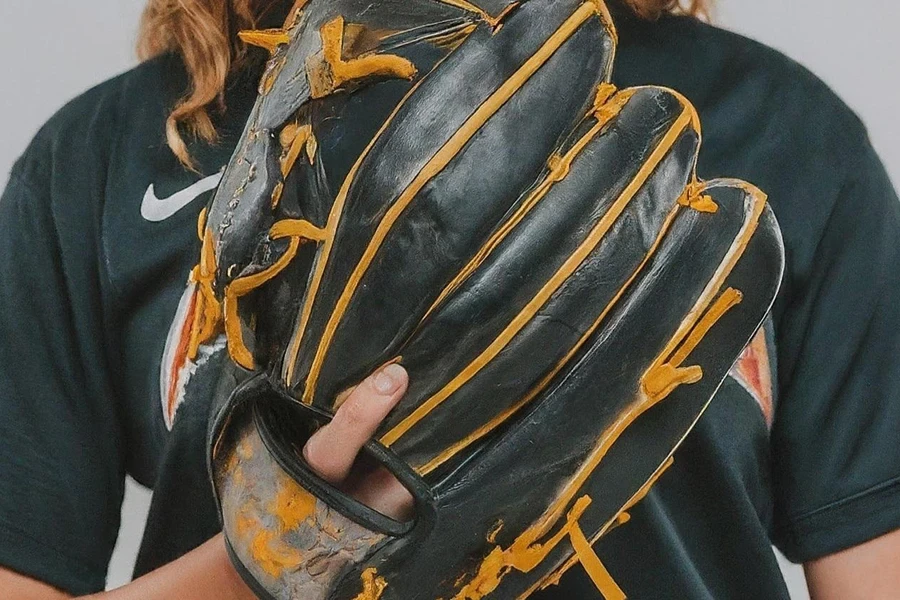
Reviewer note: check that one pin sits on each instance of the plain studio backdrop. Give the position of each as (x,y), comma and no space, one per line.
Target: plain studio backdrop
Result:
(54,49)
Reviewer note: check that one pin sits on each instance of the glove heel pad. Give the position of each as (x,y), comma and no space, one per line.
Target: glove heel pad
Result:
(273,524)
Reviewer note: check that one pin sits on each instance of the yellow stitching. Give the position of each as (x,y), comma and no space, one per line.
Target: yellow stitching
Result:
(435,166)
(298,231)
(270,39)
(524,556)
(693,197)
(621,518)
(207,310)
(558,169)
(600,577)
(334,218)
(502,417)
(294,139)
(499,562)
(758,200)
(590,243)
(662,378)
(328,72)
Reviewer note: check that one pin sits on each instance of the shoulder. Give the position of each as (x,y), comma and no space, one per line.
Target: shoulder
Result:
(738,81)
(80,138)
(766,119)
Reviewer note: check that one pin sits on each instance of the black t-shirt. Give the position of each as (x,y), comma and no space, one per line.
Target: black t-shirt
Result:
(800,447)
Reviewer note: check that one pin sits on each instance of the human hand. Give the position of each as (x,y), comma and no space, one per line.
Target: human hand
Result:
(333,450)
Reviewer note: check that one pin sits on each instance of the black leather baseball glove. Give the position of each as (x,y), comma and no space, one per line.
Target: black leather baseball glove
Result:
(455,185)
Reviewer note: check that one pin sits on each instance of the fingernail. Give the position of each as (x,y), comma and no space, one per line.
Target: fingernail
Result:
(389,379)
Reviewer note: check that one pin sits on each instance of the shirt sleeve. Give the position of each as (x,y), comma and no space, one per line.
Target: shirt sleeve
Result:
(61,470)
(836,437)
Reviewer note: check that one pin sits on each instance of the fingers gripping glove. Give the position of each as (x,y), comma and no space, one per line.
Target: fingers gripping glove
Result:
(456,187)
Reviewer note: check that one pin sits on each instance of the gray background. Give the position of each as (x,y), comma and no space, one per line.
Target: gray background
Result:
(50,50)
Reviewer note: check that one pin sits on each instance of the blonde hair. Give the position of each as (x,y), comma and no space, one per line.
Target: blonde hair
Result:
(653,9)
(204,34)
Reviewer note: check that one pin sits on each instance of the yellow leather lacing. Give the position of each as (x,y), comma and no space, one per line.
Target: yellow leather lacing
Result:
(207,310)
(526,555)
(210,313)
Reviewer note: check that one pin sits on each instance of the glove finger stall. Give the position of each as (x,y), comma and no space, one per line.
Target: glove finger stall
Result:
(553,278)
(432,187)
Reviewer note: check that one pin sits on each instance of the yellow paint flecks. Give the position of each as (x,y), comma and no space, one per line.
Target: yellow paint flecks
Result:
(245,449)
(232,463)
(245,525)
(273,69)
(373,585)
(293,506)
(265,547)
(494,532)
(272,555)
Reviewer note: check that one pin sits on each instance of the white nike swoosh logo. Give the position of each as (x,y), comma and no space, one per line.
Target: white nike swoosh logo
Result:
(159,209)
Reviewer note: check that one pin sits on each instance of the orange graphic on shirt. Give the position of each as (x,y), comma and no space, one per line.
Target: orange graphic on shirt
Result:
(753,371)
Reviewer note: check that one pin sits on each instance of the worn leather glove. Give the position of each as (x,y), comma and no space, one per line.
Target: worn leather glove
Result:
(455,186)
